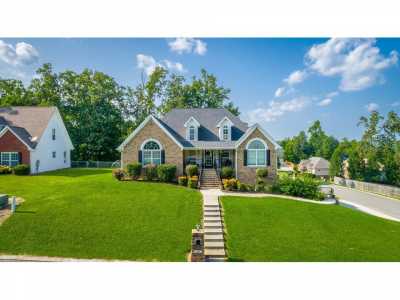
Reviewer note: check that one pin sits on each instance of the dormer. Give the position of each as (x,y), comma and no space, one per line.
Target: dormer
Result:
(225,129)
(192,129)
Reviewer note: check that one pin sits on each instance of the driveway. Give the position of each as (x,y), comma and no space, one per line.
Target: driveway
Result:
(380,204)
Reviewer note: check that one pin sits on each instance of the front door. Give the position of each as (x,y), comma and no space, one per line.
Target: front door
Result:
(208,159)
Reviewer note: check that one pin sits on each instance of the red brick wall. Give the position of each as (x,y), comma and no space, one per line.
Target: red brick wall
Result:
(10,143)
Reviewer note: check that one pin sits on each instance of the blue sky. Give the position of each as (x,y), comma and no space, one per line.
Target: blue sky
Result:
(283,84)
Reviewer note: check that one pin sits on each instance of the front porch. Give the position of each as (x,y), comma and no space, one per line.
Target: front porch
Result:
(207,159)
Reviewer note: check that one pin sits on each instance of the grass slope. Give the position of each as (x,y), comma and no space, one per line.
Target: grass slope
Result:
(85,213)
(274,229)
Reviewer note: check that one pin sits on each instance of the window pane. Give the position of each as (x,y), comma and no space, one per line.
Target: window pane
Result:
(261,157)
(157,161)
(146,157)
(256,145)
(251,157)
(156,154)
(151,145)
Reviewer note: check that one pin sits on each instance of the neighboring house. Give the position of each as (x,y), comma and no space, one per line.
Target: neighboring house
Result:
(315,165)
(286,166)
(210,138)
(35,136)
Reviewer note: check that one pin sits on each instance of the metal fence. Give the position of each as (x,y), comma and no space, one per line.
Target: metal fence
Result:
(386,190)
(96,164)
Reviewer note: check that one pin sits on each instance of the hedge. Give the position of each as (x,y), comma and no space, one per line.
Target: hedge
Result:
(166,172)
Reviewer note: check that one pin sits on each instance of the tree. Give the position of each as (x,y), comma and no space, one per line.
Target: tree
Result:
(13,93)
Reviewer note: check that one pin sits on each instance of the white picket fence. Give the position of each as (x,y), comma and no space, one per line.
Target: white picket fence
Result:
(387,190)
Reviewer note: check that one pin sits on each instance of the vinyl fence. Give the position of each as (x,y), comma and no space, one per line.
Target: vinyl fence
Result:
(387,190)
(96,164)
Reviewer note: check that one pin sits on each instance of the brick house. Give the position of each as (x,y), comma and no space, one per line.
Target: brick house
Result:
(209,137)
(35,136)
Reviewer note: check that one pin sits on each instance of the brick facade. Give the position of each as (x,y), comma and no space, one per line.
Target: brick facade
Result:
(247,174)
(10,143)
(173,153)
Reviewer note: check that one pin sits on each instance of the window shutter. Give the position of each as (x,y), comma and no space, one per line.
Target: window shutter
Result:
(140,156)
(245,157)
(268,157)
(20,157)
(162,156)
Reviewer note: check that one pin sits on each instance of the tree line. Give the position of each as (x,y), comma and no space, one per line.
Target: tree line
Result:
(374,158)
(99,113)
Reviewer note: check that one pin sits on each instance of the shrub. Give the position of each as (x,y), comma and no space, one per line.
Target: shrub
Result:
(118,174)
(166,172)
(192,170)
(21,170)
(150,172)
(260,187)
(227,172)
(5,170)
(243,187)
(134,170)
(299,187)
(230,184)
(183,180)
(262,172)
(192,182)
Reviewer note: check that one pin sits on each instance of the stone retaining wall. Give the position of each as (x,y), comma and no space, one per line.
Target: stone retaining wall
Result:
(387,190)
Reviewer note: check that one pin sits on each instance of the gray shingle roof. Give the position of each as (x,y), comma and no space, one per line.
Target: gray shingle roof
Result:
(27,122)
(208,132)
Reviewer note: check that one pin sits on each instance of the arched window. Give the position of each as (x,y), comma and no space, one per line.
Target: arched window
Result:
(225,132)
(151,152)
(256,153)
(192,133)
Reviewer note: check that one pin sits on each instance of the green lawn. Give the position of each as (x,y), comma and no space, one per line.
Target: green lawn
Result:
(275,229)
(85,213)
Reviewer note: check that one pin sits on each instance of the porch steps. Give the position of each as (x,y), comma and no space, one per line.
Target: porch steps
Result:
(209,179)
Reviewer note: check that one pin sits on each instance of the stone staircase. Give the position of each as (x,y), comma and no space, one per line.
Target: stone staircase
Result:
(214,247)
(209,179)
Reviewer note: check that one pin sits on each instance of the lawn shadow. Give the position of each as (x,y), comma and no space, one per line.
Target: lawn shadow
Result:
(76,172)
(235,259)
(25,212)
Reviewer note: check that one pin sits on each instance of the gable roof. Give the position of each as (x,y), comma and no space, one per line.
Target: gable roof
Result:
(251,130)
(140,127)
(27,122)
(314,162)
(208,119)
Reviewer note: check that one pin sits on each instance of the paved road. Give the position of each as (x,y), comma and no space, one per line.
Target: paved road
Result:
(378,203)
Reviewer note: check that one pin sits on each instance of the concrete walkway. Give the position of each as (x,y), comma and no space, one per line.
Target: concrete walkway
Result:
(380,206)
(214,245)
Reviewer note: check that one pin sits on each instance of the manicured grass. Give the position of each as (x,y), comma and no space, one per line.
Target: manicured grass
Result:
(85,213)
(274,229)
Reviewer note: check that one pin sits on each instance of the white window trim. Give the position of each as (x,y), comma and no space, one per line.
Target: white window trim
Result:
(225,122)
(151,151)
(9,160)
(247,153)
(194,133)
(223,132)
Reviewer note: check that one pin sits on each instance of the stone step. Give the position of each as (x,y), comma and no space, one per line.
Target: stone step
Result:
(214,252)
(214,245)
(213,237)
(212,225)
(215,259)
(211,209)
(212,219)
(213,231)
(212,214)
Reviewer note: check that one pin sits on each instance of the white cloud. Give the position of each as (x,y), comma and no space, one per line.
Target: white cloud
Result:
(188,45)
(332,94)
(372,107)
(174,66)
(148,64)
(396,104)
(358,62)
(325,102)
(21,55)
(276,109)
(279,92)
(200,48)
(296,77)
